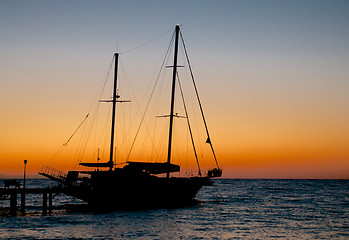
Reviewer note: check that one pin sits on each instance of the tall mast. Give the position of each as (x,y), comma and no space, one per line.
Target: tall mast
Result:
(111,162)
(172,96)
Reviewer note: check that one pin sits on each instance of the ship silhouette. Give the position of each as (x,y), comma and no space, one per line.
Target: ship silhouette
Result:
(137,184)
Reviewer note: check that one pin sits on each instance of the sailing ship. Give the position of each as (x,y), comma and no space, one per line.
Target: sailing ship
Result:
(137,184)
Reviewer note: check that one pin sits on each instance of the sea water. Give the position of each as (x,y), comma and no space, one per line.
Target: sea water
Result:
(231,209)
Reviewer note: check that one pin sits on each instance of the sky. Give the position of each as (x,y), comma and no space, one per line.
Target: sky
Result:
(273,77)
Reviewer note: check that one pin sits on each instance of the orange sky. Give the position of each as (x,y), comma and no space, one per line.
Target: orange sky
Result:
(273,79)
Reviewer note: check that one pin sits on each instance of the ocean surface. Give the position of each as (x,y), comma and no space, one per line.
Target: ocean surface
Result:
(231,209)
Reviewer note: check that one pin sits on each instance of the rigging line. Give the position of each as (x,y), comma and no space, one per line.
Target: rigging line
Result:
(106,78)
(146,43)
(135,99)
(84,139)
(66,143)
(198,98)
(84,144)
(186,114)
(54,157)
(151,95)
(98,96)
(103,130)
(133,95)
(130,92)
(102,87)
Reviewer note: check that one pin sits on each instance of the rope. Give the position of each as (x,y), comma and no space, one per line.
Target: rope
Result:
(66,143)
(198,98)
(146,43)
(151,95)
(83,144)
(191,134)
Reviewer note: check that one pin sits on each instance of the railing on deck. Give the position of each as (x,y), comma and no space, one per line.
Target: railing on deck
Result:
(52,172)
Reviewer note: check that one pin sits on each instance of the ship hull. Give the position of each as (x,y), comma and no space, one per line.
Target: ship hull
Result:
(111,190)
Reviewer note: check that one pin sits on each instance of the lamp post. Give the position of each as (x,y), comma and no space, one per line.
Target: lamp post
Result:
(23,192)
(25,166)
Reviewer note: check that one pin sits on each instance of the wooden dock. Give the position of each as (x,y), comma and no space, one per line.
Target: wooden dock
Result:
(47,196)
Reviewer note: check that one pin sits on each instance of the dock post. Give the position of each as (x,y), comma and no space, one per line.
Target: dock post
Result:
(23,202)
(13,204)
(50,202)
(44,203)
